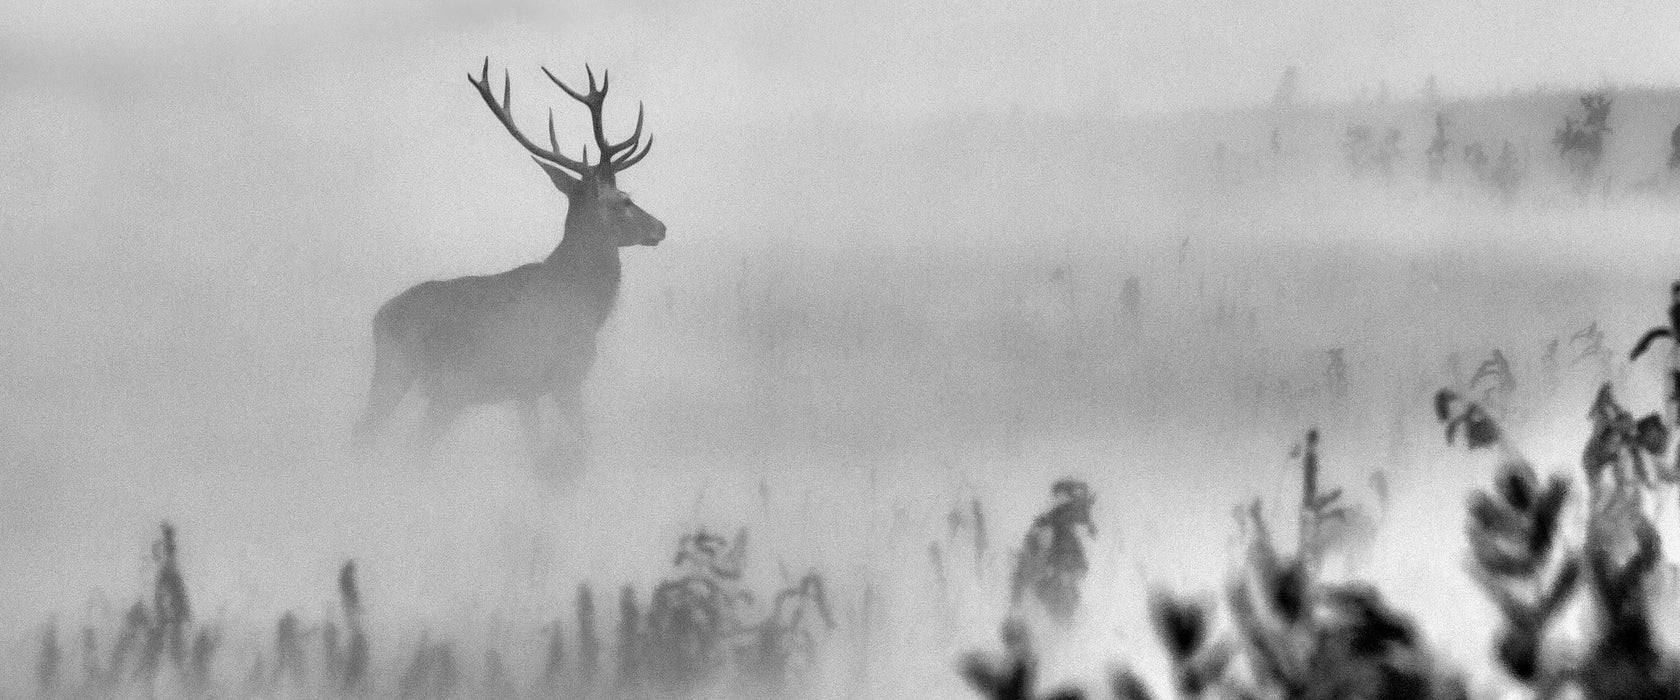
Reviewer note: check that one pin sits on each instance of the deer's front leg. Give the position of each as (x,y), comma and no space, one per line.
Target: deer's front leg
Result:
(440,414)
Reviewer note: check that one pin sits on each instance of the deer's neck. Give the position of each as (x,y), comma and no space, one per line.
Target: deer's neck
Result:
(587,263)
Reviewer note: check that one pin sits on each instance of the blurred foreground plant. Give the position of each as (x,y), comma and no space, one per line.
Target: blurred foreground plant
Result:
(697,629)
(1517,556)
(1052,561)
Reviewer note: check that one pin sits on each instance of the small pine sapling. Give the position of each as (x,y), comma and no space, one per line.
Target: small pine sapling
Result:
(93,675)
(1674,150)
(1626,661)
(1436,155)
(1591,341)
(1306,640)
(164,631)
(1052,561)
(1671,331)
(1125,684)
(589,645)
(332,656)
(630,642)
(1630,451)
(1581,143)
(690,617)
(1011,676)
(554,660)
(200,671)
(498,683)
(1458,414)
(785,643)
(448,674)
(355,662)
(257,679)
(1184,627)
(431,675)
(289,672)
(967,518)
(47,663)
(1270,604)
(169,597)
(1516,558)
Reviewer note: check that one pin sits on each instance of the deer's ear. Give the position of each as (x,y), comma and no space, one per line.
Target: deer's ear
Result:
(567,183)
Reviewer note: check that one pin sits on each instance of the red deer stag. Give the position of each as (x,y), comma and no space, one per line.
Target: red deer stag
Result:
(530,331)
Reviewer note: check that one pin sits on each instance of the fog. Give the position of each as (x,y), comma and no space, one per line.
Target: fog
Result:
(899,239)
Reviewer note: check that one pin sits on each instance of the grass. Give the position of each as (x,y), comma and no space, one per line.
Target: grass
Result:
(698,637)
(1278,627)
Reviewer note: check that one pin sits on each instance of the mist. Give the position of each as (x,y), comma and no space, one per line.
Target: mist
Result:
(897,285)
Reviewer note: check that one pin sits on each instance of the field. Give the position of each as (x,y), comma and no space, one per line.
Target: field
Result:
(852,331)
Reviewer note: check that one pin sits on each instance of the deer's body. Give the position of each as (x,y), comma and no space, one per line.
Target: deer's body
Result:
(492,338)
(525,333)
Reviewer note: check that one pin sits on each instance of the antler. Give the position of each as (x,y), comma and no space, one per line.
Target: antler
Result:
(503,109)
(615,157)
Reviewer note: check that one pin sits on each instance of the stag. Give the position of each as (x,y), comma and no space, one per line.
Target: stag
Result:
(529,332)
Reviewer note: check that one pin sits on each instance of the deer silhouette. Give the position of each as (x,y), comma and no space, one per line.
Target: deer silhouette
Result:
(529,332)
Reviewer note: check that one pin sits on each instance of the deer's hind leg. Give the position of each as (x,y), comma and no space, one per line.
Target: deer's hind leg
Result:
(393,374)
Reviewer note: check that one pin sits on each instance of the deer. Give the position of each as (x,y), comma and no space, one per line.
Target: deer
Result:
(530,332)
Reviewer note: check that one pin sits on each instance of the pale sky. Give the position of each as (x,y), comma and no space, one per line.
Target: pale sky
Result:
(879,57)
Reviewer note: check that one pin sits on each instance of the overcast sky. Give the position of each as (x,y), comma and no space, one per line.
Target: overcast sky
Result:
(880,57)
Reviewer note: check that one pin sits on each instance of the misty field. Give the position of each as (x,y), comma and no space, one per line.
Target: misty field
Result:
(855,338)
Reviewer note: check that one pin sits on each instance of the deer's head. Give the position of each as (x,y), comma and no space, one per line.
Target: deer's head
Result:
(598,206)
